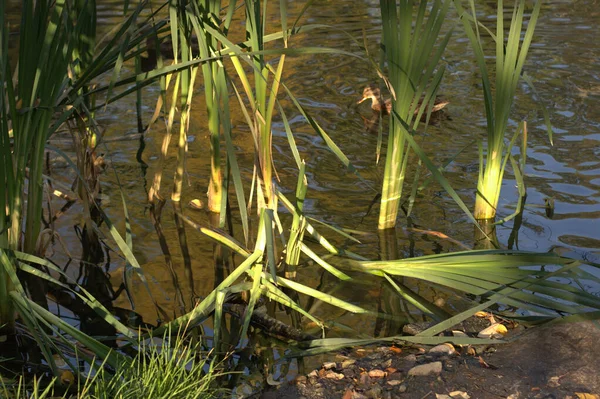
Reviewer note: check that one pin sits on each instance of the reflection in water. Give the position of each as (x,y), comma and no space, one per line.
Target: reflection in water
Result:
(485,236)
(185,253)
(156,208)
(94,266)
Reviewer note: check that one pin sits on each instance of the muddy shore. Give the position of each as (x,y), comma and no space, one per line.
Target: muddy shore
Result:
(561,361)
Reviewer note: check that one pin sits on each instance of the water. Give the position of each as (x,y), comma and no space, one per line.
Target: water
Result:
(564,63)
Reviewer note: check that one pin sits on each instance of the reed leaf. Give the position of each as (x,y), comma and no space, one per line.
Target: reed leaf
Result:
(511,277)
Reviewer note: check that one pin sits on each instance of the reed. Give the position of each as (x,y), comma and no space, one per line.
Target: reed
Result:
(412,56)
(42,90)
(27,107)
(212,73)
(511,47)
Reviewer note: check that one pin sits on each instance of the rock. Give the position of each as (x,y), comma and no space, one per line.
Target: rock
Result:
(365,379)
(554,382)
(376,373)
(434,368)
(301,379)
(332,375)
(494,331)
(375,392)
(411,359)
(443,349)
(459,395)
(402,388)
(393,383)
(329,365)
(358,395)
(360,352)
(351,372)
(348,363)
(395,376)
(313,374)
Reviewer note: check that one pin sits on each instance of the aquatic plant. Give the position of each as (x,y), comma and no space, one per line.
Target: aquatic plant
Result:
(510,54)
(412,55)
(27,108)
(41,91)
(166,367)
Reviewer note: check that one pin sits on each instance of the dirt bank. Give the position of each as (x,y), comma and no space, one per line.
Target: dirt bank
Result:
(548,362)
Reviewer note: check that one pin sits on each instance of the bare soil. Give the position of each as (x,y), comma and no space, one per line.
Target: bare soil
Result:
(559,361)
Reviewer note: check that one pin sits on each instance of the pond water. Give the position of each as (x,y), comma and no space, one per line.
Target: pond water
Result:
(564,63)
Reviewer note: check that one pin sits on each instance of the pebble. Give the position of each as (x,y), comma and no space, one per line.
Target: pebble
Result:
(443,349)
(395,376)
(459,395)
(348,363)
(332,375)
(364,379)
(460,334)
(375,392)
(329,365)
(411,359)
(301,379)
(376,373)
(351,372)
(313,374)
(426,369)
(394,382)
(402,388)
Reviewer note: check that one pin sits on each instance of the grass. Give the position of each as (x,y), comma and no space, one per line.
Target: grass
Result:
(170,367)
